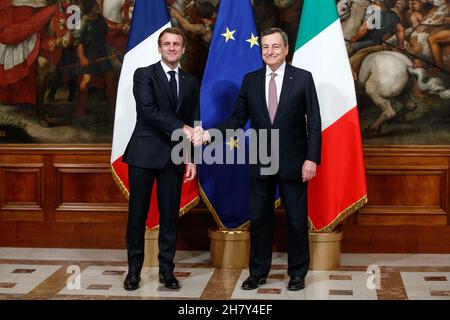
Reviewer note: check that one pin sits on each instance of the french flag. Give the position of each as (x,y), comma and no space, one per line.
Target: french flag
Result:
(150,18)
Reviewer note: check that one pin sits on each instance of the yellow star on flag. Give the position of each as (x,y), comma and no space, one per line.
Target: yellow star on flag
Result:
(233,143)
(253,40)
(229,35)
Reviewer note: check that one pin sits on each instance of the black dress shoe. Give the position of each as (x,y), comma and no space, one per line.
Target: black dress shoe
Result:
(132,281)
(253,282)
(296,284)
(169,280)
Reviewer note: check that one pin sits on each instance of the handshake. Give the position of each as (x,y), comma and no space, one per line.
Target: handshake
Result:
(197,136)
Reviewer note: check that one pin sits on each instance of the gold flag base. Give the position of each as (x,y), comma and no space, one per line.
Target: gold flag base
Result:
(325,250)
(229,249)
(151,248)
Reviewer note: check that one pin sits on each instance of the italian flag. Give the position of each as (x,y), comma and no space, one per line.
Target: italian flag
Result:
(339,188)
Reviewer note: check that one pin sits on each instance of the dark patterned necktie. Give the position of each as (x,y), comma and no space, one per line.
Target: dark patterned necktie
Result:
(173,87)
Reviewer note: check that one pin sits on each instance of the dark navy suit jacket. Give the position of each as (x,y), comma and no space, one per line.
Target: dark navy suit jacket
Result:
(150,145)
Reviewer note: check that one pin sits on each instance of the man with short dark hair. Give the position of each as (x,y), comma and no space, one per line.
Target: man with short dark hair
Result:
(166,100)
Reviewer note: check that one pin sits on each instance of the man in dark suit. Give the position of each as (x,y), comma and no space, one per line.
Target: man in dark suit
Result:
(166,100)
(278,97)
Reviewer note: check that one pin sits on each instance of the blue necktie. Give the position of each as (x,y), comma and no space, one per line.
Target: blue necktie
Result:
(173,87)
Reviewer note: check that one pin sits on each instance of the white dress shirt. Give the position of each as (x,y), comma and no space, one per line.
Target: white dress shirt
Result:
(278,81)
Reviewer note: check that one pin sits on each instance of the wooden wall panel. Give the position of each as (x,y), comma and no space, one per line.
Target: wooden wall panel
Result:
(60,196)
(396,239)
(91,185)
(21,196)
(51,234)
(406,186)
(87,192)
(22,188)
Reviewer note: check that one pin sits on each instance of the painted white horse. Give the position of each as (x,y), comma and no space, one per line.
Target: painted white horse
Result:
(351,12)
(384,75)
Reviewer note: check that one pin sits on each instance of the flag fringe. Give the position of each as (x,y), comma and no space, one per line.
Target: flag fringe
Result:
(277,202)
(120,183)
(193,203)
(221,226)
(340,217)
(183,210)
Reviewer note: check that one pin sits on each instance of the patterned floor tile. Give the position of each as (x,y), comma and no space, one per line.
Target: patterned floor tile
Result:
(427,285)
(274,289)
(21,279)
(108,281)
(40,273)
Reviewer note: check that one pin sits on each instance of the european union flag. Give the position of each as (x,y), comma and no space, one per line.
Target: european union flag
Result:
(234,52)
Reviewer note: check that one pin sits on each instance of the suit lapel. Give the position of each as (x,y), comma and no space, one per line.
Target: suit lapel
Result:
(262,88)
(182,88)
(286,88)
(163,79)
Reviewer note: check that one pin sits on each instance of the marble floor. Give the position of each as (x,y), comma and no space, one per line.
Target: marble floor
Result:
(82,274)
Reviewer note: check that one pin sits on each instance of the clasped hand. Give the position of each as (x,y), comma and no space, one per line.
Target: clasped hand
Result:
(197,136)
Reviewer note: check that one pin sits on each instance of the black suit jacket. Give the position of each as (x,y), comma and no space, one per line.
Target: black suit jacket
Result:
(150,145)
(297,118)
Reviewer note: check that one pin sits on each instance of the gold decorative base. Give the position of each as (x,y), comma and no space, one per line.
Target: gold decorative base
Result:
(151,248)
(325,250)
(229,249)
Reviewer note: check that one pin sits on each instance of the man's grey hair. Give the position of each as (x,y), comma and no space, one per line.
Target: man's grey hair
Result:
(273,30)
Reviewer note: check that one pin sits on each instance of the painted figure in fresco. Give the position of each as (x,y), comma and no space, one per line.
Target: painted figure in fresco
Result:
(185,7)
(427,19)
(416,12)
(385,73)
(21,25)
(421,20)
(92,54)
(437,42)
(204,28)
(289,16)
(58,59)
(196,18)
(118,14)
(280,13)
(400,8)
(385,22)
(265,13)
